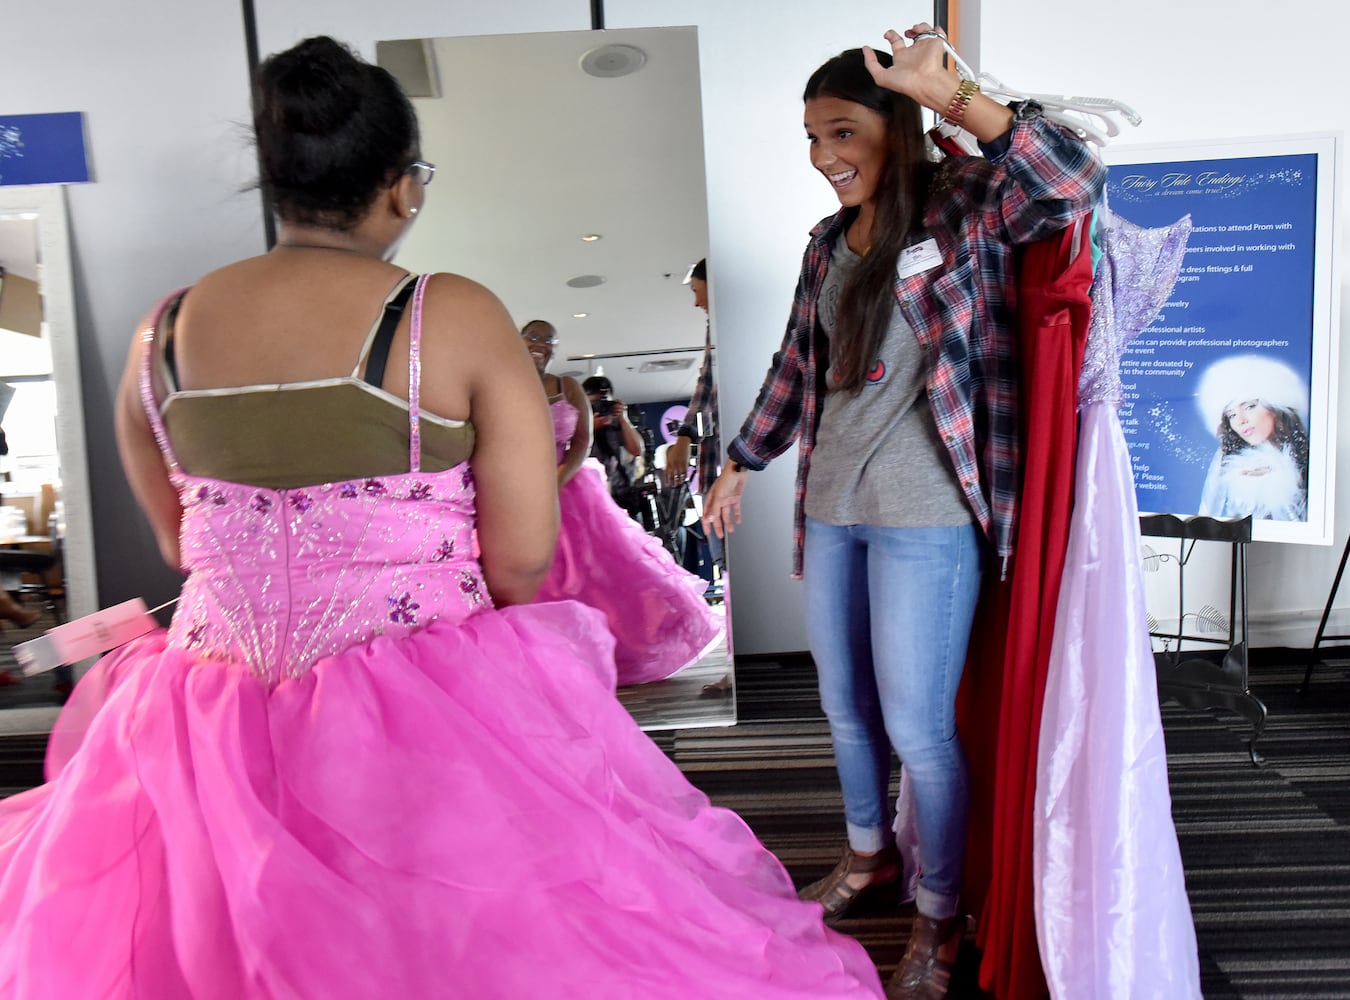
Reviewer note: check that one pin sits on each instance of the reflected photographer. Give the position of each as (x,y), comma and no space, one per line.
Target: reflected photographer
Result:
(615,442)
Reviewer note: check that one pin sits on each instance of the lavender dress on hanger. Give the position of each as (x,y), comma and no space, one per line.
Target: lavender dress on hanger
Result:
(1111,908)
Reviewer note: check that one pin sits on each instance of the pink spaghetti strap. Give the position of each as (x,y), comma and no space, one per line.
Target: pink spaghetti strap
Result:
(415,377)
(147,386)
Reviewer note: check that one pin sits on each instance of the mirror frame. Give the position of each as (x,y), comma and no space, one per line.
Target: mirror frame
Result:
(48,203)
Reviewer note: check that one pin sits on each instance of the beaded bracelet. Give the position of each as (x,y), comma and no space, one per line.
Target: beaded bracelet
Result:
(956,111)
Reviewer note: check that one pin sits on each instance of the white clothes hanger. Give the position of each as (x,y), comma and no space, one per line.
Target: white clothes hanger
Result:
(1096,119)
(955,133)
(1090,118)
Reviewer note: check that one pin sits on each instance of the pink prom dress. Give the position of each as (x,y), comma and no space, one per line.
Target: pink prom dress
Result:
(654,607)
(342,773)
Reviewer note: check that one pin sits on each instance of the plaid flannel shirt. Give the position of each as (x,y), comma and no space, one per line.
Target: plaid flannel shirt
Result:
(704,401)
(1036,181)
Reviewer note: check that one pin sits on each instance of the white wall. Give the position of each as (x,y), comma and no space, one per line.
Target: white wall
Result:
(1203,70)
(165,93)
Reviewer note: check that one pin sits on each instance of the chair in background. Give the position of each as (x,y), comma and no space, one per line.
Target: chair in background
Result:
(40,573)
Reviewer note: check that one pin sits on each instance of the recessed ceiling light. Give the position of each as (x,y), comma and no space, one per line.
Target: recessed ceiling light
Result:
(580,315)
(590,237)
(586,281)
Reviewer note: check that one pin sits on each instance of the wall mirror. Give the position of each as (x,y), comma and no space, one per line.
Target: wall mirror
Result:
(570,181)
(46,537)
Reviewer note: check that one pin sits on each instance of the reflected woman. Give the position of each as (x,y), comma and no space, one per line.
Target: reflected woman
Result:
(655,608)
(1261,466)
(574,445)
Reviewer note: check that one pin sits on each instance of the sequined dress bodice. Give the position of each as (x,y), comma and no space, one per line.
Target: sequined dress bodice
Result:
(1137,272)
(277,579)
(564,424)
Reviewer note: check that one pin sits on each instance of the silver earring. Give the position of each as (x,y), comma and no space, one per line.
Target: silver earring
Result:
(412,211)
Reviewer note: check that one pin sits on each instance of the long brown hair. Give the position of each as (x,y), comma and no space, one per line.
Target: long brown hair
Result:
(868,295)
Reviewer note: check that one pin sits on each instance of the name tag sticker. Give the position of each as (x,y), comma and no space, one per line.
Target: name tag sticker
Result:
(918,258)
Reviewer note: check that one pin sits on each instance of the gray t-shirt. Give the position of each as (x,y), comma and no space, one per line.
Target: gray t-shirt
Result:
(878,457)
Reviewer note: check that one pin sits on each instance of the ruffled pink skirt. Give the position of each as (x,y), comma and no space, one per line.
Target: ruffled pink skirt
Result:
(654,607)
(464,813)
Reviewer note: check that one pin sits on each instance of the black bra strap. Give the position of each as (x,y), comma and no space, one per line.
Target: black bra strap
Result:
(384,336)
(170,320)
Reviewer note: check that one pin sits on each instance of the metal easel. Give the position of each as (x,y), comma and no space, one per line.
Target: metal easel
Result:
(1322,636)
(1209,678)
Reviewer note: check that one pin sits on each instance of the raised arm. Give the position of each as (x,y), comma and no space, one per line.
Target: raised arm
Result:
(917,72)
(142,461)
(1041,178)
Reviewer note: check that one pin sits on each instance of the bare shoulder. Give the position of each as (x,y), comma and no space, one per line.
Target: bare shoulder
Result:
(460,315)
(227,278)
(470,342)
(574,393)
(453,296)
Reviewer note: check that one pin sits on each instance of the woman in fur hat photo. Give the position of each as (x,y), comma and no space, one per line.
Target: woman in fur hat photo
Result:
(1259,409)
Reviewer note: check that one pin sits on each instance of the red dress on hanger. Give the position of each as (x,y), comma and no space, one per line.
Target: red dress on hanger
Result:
(999,708)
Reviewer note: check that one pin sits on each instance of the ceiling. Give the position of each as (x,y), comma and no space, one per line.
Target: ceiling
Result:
(532,153)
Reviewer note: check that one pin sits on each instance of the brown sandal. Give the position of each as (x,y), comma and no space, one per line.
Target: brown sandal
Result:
(834,892)
(922,974)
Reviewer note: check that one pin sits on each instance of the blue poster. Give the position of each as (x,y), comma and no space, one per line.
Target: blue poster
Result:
(1218,389)
(43,149)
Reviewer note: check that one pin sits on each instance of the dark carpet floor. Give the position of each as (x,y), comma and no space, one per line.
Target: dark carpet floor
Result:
(1266,850)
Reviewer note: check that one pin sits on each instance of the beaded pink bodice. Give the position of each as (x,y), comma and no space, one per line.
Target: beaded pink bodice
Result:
(279,579)
(564,425)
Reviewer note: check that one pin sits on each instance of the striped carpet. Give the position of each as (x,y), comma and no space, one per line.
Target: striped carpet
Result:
(1267,851)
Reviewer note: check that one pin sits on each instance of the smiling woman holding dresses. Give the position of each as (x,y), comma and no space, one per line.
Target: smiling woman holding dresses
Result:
(896,378)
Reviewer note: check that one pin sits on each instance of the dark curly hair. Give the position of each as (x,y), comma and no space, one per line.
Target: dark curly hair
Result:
(331,130)
(1289,433)
(868,296)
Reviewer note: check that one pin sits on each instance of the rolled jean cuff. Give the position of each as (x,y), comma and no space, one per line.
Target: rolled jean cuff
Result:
(936,905)
(867,839)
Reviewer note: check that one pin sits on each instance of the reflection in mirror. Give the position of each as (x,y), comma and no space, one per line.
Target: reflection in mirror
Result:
(46,546)
(569,181)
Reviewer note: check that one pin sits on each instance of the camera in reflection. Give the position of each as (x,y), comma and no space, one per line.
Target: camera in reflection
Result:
(600,390)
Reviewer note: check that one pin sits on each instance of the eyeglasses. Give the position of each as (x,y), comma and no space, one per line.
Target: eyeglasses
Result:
(421,170)
(543,339)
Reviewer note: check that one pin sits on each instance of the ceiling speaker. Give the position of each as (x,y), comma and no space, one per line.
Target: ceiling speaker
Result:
(613,60)
(585,281)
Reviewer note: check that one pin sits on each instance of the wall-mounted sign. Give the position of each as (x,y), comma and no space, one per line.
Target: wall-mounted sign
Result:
(1230,393)
(43,149)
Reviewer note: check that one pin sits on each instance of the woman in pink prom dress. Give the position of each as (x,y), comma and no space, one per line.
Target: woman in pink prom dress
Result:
(654,607)
(360,763)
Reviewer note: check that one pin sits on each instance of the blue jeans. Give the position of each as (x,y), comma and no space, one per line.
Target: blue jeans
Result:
(888,617)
